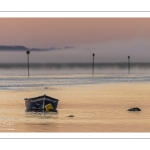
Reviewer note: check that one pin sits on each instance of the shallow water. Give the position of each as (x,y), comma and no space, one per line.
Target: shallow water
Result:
(99,103)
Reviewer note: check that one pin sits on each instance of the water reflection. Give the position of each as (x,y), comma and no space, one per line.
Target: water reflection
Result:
(40,114)
(40,121)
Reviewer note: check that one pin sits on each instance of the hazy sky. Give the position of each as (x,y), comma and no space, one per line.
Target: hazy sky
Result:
(75,39)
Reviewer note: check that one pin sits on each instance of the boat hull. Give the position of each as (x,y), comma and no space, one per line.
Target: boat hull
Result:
(41,104)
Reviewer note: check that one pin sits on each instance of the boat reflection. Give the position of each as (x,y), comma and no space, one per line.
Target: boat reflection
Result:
(40,114)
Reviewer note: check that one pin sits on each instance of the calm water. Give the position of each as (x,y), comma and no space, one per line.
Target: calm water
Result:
(17,83)
(99,103)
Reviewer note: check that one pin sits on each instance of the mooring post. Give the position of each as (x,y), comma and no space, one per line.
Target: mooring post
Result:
(128,64)
(93,64)
(28,52)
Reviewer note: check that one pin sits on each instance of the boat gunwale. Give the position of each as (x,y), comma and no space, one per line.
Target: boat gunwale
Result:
(34,98)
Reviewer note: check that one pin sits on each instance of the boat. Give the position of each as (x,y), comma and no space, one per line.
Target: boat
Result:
(41,103)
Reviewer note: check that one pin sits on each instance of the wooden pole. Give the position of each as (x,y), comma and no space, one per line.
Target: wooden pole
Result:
(128,64)
(28,52)
(93,64)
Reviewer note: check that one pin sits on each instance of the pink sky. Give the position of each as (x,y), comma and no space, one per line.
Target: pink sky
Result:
(112,39)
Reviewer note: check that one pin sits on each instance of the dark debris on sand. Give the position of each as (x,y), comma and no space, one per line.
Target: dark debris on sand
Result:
(71,116)
(134,109)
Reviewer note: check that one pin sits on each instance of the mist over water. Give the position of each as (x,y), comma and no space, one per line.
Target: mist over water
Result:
(73,65)
(7,69)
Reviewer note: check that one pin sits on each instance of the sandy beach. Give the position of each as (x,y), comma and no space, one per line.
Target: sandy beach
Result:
(96,108)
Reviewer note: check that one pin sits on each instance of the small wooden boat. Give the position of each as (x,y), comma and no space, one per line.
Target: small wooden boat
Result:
(41,103)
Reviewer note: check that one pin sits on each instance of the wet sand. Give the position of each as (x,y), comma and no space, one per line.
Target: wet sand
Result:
(96,108)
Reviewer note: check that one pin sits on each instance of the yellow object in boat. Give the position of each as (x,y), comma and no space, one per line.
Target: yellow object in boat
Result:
(49,107)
